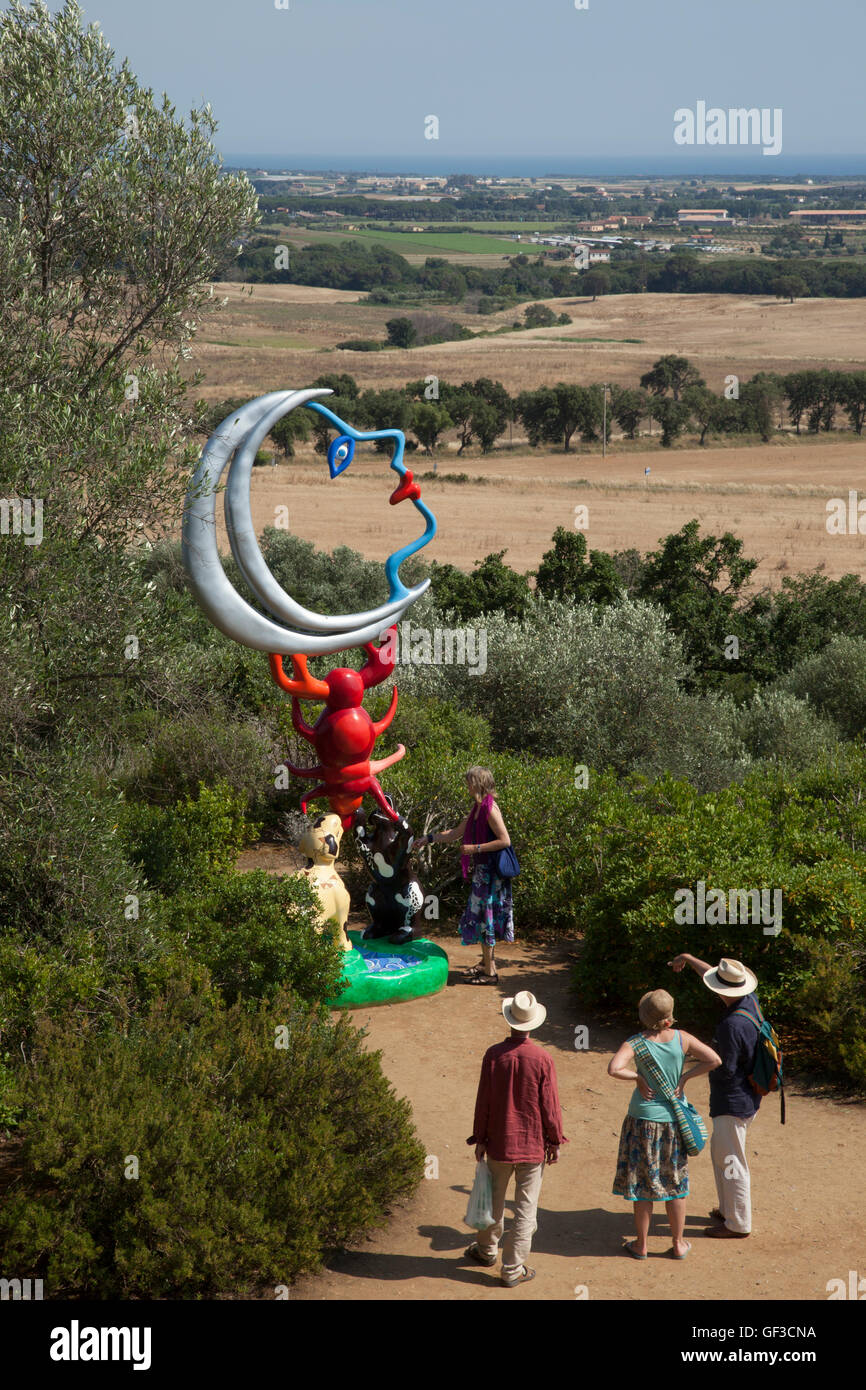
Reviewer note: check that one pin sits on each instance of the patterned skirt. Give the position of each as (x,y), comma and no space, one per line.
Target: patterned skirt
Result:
(488,916)
(652,1164)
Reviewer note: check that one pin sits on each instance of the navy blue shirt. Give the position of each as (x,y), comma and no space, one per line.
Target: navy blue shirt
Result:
(735,1040)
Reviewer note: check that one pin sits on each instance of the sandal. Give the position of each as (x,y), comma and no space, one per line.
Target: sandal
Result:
(475,969)
(473,1253)
(523,1278)
(673,1254)
(628,1249)
(482,979)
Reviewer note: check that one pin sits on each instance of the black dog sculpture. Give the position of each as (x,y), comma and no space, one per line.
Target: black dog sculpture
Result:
(395,897)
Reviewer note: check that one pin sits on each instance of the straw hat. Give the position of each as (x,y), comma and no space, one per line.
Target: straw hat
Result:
(731,979)
(524,1012)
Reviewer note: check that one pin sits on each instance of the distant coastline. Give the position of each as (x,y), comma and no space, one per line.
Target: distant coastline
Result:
(720,165)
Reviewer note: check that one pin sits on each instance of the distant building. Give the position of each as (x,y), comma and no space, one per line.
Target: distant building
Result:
(699,215)
(822,217)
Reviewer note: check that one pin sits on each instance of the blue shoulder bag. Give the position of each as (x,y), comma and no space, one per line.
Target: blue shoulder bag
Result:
(506,864)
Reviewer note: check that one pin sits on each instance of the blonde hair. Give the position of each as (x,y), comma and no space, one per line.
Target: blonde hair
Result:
(655,1008)
(480,780)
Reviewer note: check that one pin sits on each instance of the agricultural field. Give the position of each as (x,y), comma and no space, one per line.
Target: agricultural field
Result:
(467,248)
(772,495)
(623,335)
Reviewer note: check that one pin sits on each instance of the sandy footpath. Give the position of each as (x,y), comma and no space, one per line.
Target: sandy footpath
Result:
(808,1209)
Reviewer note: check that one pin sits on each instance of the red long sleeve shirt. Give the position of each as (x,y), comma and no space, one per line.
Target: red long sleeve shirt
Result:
(517,1111)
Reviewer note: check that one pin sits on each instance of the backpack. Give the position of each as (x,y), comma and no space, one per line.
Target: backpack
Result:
(767,1064)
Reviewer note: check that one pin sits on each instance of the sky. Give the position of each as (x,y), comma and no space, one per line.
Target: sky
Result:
(533,83)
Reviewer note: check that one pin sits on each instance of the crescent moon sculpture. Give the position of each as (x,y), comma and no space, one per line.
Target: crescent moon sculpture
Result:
(307,633)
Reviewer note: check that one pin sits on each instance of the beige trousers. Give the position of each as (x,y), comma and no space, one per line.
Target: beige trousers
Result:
(731,1168)
(518,1241)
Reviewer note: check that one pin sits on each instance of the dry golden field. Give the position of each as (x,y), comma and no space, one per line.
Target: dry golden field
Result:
(773,496)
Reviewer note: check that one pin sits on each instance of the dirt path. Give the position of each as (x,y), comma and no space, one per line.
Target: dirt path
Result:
(808,1212)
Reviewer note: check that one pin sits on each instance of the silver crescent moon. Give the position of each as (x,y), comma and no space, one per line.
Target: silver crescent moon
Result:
(245,546)
(223,605)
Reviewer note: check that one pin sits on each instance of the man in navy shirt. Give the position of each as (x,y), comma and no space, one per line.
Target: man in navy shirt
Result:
(733,1100)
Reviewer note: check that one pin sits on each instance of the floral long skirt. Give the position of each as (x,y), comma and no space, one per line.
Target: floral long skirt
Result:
(652,1164)
(488,916)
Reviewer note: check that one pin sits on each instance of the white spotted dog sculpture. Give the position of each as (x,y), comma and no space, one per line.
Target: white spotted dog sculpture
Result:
(395,897)
(321,845)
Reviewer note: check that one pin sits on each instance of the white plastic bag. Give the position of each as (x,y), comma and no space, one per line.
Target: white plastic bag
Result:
(479,1212)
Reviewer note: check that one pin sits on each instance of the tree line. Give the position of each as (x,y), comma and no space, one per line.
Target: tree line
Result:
(351,265)
(671,394)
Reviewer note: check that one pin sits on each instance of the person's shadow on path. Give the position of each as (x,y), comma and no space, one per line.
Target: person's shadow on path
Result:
(588,1233)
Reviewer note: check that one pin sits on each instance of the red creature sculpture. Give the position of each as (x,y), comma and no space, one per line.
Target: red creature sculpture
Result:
(344,734)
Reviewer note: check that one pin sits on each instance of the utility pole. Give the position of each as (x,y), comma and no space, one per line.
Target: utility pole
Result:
(604,426)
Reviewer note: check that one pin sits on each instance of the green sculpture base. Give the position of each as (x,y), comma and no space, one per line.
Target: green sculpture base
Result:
(376,972)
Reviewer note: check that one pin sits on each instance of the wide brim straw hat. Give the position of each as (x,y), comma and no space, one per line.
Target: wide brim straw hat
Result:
(523,1011)
(731,979)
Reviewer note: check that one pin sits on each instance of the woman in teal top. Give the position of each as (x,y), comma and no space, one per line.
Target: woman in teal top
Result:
(652,1165)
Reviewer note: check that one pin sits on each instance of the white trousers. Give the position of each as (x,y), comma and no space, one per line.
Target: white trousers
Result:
(731,1168)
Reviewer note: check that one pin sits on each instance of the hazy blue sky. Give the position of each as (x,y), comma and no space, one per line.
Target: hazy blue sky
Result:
(508,79)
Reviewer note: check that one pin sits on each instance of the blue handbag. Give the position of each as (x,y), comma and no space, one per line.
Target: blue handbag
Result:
(506,864)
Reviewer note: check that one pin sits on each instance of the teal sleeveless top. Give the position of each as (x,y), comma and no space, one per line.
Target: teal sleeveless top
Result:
(669,1058)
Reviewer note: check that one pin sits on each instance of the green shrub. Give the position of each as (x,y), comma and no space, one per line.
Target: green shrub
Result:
(254,1160)
(779,727)
(192,843)
(256,933)
(602,687)
(167,759)
(804,836)
(834,681)
(361,345)
(75,919)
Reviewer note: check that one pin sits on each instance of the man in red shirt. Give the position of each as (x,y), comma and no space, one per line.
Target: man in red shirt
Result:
(518,1125)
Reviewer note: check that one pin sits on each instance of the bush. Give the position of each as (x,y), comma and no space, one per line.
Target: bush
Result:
(779,727)
(360,345)
(167,759)
(68,940)
(804,836)
(189,845)
(341,582)
(539,316)
(256,933)
(254,1159)
(601,687)
(834,681)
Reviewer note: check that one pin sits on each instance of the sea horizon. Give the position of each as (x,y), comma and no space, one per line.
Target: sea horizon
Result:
(726,165)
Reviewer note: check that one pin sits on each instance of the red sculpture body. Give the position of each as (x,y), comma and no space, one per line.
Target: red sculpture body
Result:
(344,734)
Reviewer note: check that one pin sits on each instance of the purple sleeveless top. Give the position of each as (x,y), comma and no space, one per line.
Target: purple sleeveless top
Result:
(477,832)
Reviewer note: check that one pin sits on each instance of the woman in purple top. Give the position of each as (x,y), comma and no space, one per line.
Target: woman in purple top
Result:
(488,916)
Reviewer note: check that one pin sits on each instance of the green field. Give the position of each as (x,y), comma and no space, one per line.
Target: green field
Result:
(451,244)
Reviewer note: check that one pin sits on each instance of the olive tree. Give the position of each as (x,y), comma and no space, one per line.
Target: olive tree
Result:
(115,218)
